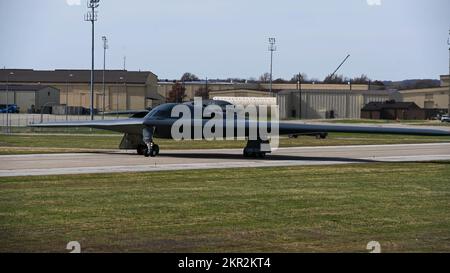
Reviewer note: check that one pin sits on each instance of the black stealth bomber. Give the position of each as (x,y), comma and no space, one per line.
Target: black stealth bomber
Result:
(139,133)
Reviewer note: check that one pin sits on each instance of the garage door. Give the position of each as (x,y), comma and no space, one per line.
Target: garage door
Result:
(136,99)
(25,99)
(3,97)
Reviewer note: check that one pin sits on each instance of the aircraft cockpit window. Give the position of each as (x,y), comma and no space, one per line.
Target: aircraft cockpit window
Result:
(162,111)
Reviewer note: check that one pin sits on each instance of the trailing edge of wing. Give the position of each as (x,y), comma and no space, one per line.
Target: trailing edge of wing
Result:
(290,128)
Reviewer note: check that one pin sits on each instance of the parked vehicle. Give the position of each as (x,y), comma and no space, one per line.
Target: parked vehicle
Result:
(11,108)
(445,118)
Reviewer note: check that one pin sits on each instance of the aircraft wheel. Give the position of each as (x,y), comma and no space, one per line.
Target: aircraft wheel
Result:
(156,149)
(146,152)
(141,149)
(152,152)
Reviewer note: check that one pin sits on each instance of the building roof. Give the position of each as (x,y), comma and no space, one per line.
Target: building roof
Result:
(376,106)
(22,87)
(340,91)
(78,76)
(424,91)
(239,90)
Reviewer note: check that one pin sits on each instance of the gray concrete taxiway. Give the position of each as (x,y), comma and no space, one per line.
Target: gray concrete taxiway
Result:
(128,161)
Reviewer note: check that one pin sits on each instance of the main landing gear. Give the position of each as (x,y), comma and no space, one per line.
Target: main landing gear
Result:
(149,149)
(253,149)
(146,151)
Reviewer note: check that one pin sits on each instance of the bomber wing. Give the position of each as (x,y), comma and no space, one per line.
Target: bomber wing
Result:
(294,128)
(130,125)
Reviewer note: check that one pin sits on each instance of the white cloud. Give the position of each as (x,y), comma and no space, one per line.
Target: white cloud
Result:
(374,2)
(73,2)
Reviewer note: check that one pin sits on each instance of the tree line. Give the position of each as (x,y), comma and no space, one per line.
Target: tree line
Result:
(177,93)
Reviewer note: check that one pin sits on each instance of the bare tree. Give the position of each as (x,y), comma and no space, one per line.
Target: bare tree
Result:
(202,92)
(334,79)
(189,77)
(363,79)
(177,93)
(303,78)
(265,77)
(280,80)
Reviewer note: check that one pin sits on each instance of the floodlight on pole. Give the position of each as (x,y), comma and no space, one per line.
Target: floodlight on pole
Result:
(272,48)
(105,47)
(91,16)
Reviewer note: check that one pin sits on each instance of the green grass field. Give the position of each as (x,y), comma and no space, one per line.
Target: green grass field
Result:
(404,206)
(29,143)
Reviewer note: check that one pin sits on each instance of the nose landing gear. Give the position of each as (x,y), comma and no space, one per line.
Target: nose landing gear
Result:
(253,149)
(151,150)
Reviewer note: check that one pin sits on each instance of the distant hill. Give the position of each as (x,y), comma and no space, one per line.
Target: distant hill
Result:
(412,84)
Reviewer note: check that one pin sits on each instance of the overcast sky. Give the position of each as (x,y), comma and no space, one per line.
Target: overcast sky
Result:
(387,39)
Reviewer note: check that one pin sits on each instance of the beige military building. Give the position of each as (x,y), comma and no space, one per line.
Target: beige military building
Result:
(238,93)
(192,87)
(429,98)
(29,98)
(135,90)
(248,89)
(124,90)
(314,86)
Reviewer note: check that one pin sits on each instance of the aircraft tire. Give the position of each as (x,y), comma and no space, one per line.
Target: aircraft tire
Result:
(141,150)
(146,153)
(156,149)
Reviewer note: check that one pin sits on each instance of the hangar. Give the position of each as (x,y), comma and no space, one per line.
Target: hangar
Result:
(136,90)
(29,98)
(124,90)
(320,104)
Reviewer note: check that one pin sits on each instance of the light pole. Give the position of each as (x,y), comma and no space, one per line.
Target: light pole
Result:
(448,43)
(92,17)
(272,48)
(206,87)
(299,82)
(117,98)
(67,96)
(7,102)
(105,47)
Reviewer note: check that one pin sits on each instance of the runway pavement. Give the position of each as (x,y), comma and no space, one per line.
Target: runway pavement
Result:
(128,161)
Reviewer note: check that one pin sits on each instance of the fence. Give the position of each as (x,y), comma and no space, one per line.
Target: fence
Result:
(18,122)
